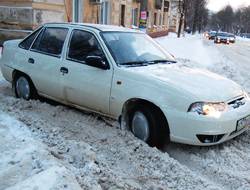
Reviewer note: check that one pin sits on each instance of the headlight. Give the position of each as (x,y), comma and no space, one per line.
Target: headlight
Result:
(246,95)
(212,109)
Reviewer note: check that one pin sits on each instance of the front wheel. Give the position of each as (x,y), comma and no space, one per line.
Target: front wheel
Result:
(148,124)
(24,88)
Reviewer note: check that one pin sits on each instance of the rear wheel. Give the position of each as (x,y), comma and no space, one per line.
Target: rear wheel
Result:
(148,124)
(24,88)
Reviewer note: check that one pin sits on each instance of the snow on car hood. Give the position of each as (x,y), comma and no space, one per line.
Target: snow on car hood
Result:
(203,84)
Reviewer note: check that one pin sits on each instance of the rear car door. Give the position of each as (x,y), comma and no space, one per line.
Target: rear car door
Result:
(44,58)
(82,84)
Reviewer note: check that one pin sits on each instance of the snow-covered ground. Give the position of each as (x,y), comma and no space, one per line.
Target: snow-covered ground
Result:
(51,146)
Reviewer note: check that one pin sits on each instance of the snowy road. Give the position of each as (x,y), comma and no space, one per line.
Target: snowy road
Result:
(238,52)
(98,155)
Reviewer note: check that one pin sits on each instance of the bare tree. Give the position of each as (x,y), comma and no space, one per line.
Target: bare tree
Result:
(197,15)
(203,16)
(235,22)
(246,20)
(225,16)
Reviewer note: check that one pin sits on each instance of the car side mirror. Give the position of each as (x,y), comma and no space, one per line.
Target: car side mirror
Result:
(96,61)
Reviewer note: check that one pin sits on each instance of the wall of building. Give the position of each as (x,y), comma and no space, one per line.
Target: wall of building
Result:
(29,14)
(158,20)
(19,17)
(90,12)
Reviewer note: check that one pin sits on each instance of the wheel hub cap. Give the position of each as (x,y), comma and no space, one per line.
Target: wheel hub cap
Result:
(22,87)
(140,126)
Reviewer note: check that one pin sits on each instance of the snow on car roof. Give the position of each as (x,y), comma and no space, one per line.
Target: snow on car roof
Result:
(100,27)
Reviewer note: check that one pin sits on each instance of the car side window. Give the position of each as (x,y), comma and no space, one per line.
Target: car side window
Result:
(25,44)
(50,41)
(83,44)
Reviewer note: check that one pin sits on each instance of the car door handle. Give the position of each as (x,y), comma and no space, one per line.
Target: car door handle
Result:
(64,70)
(31,60)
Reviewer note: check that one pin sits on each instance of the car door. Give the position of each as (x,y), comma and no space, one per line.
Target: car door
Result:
(44,58)
(82,84)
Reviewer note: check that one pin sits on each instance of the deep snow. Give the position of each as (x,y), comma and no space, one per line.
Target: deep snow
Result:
(51,146)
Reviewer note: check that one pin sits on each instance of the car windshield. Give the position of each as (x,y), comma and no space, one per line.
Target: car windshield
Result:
(135,49)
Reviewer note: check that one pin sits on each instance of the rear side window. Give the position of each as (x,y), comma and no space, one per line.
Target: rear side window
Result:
(25,44)
(50,41)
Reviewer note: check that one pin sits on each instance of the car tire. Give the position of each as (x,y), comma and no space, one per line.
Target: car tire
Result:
(148,124)
(24,88)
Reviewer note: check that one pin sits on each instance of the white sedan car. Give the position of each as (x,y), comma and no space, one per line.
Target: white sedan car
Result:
(124,74)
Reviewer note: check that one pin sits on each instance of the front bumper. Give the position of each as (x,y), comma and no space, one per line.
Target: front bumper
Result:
(222,40)
(194,129)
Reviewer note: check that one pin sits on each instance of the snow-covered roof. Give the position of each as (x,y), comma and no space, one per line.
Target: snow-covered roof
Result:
(100,27)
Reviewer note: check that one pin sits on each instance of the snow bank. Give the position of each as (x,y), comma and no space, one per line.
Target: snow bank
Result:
(26,163)
(188,49)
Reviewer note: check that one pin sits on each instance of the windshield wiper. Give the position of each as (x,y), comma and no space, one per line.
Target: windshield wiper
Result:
(135,63)
(162,61)
(145,63)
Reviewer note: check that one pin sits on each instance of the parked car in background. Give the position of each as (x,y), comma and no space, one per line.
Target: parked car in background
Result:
(231,38)
(221,37)
(124,74)
(212,35)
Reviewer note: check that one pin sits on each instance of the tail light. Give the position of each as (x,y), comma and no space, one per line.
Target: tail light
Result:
(2,50)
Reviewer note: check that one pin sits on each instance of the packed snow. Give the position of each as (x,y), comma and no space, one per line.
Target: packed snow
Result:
(46,145)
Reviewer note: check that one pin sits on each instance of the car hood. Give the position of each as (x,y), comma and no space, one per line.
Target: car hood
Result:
(204,85)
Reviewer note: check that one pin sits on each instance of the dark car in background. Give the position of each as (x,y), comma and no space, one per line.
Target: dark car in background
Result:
(212,35)
(221,37)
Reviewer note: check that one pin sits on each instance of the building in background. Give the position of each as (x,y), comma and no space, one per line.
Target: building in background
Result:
(20,17)
(157,14)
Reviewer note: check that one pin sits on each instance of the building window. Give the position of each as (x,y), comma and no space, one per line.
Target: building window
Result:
(160,16)
(134,16)
(77,11)
(149,19)
(104,16)
(163,22)
(166,6)
(155,19)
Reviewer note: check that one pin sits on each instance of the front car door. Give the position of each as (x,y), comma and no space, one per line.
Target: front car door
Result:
(83,84)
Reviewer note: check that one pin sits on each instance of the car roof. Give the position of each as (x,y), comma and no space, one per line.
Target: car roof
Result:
(100,27)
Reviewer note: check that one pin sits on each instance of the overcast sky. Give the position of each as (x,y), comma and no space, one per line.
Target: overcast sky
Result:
(217,5)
